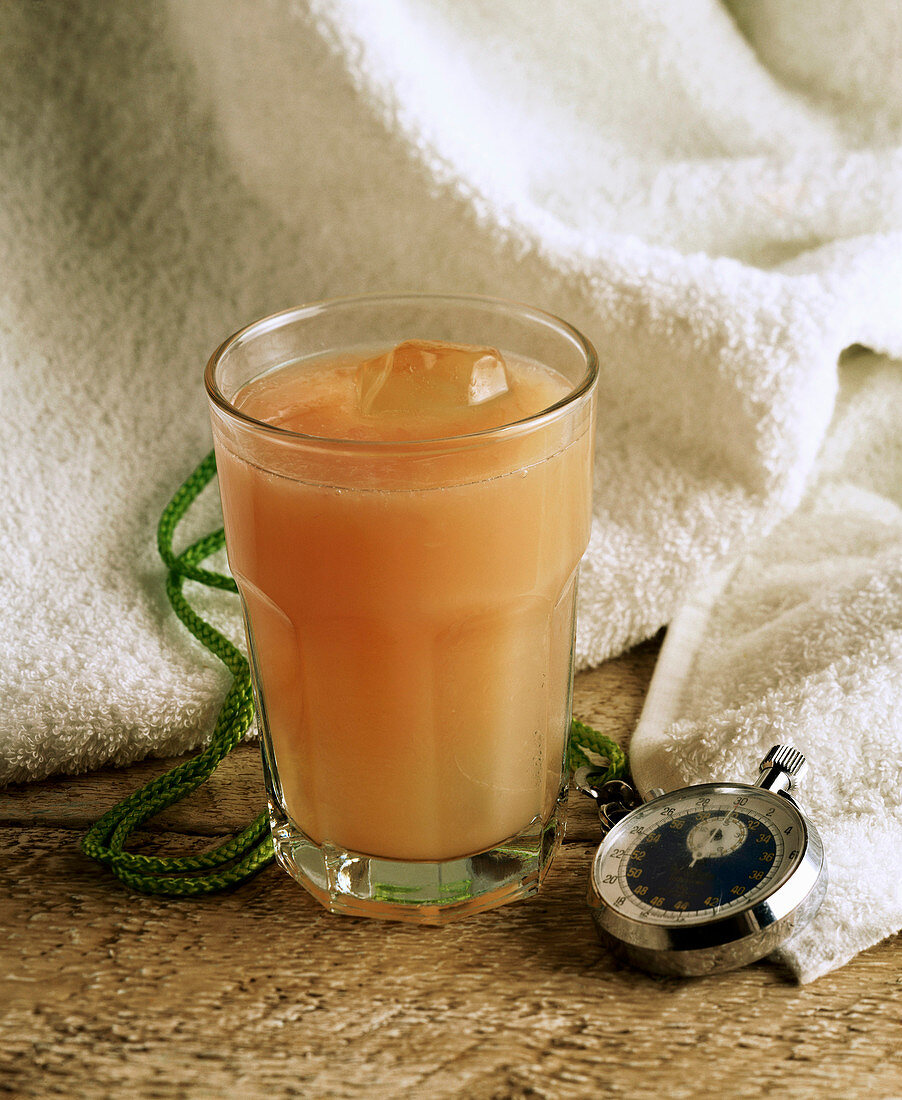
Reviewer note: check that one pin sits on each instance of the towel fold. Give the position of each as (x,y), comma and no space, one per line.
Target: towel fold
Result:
(712,193)
(801,643)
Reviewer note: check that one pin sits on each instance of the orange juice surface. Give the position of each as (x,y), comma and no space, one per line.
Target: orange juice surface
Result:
(410,607)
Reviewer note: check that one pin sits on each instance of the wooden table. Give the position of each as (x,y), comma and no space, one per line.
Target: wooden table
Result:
(260,993)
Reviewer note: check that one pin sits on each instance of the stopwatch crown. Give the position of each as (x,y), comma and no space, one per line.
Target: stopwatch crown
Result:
(782,768)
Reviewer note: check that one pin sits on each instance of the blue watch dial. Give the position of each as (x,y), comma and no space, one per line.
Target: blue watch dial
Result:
(700,861)
(699,853)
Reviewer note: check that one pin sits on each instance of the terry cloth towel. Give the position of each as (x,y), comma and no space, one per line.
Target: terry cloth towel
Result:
(801,643)
(712,193)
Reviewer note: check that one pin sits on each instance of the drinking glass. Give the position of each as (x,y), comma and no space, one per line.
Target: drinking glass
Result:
(410,613)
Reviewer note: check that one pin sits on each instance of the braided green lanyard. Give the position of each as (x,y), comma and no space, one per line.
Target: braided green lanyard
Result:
(244,855)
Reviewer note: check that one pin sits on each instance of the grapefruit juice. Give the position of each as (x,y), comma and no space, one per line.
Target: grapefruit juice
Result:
(407,560)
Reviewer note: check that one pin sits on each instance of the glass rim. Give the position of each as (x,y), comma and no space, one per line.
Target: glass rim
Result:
(311,309)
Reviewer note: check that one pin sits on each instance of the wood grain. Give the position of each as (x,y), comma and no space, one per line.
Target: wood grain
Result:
(260,993)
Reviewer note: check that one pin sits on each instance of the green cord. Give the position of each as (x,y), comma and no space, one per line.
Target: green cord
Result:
(245,855)
(588,746)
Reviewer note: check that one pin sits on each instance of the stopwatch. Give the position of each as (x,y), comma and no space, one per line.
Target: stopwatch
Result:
(708,877)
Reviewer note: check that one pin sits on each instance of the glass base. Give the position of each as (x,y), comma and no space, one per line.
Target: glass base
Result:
(417,891)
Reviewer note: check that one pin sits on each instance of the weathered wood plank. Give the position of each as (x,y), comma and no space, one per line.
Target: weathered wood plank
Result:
(259,992)
(230,798)
(610,696)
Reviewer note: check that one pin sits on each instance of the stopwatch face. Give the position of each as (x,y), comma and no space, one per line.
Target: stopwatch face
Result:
(699,854)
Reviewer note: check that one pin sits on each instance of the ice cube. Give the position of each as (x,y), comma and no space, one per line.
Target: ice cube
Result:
(430,376)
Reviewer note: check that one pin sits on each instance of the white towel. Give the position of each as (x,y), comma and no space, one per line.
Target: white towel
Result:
(713,195)
(802,643)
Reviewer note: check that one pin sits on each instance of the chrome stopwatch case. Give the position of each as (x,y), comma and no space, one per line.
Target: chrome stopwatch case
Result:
(709,877)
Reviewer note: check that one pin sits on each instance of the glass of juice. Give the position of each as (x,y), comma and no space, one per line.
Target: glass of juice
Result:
(406,487)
